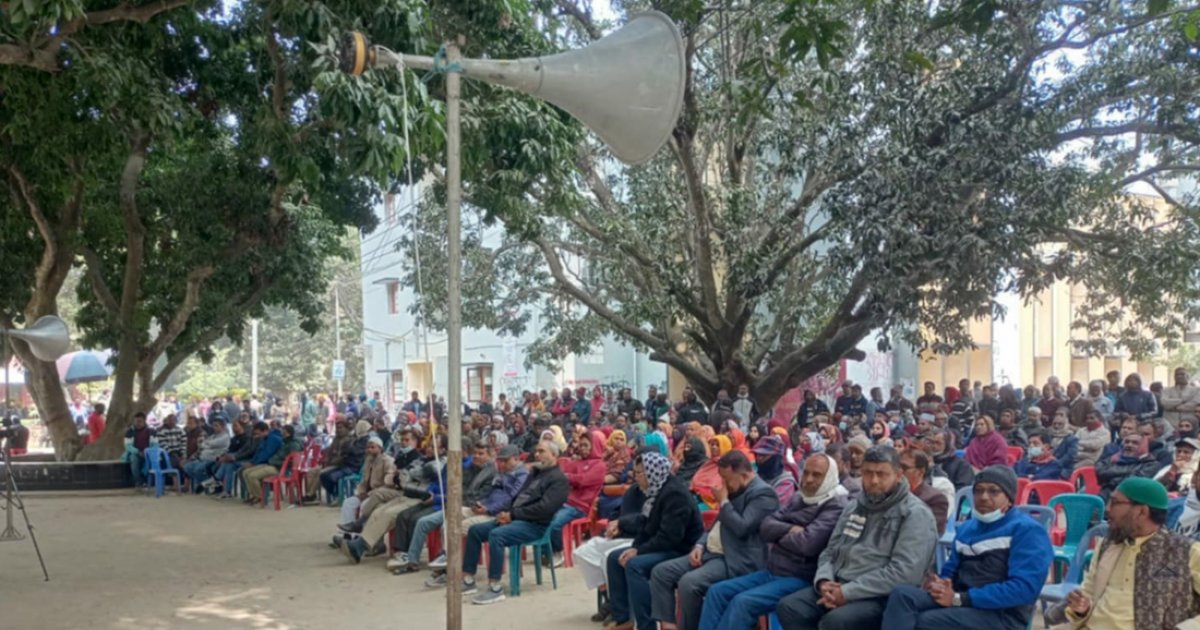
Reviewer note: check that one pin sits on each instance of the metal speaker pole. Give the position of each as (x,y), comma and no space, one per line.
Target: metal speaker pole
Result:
(627,87)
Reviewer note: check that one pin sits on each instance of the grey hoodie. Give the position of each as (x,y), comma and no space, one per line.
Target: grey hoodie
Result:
(213,446)
(878,545)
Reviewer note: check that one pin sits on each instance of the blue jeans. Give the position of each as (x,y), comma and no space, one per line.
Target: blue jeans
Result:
(197,471)
(227,475)
(137,466)
(629,586)
(738,603)
(425,525)
(910,608)
(498,537)
(565,515)
(331,479)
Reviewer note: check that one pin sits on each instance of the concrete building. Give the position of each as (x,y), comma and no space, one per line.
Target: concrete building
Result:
(1032,343)
(399,359)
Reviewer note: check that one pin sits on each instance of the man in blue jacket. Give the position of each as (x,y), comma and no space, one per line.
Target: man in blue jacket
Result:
(995,572)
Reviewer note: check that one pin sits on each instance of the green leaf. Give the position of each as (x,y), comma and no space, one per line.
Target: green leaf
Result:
(920,60)
(1156,7)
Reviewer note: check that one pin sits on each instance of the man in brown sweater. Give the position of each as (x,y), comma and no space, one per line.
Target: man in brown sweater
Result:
(916,467)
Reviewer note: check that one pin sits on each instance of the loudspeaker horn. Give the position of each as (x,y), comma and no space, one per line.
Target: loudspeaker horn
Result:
(627,87)
(48,337)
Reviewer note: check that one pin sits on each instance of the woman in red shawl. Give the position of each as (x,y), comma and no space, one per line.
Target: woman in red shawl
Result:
(616,456)
(738,440)
(987,447)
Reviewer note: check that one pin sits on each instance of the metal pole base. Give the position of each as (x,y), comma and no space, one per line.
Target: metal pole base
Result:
(11,533)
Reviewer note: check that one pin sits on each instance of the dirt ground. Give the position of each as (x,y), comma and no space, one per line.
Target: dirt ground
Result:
(123,561)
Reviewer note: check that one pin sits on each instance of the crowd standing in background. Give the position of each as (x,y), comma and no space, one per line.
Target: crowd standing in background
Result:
(856,512)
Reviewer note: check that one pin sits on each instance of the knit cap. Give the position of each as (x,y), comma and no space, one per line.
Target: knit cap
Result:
(1002,476)
(376,440)
(1144,491)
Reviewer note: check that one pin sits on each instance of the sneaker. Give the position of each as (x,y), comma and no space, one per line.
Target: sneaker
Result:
(339,540)
(468,588)
(494,595)
(558,560)
(438,562)
(352,528)
(439,581)
(405,569)
(209,483)
(397,560)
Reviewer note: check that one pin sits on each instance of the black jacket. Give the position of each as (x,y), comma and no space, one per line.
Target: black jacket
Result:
(544,493)
(957,470)
(673,524)
(356,453)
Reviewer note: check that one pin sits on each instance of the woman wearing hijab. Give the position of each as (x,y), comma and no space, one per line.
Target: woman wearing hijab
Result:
(796,534)
(616,456)
(757,432)
(586,477)
(707,478)
(831,434)
(694,456)
(667,527)
(987,447)
(555,435)
(665,429)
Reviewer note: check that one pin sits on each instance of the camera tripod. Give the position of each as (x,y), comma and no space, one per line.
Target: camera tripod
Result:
(12,499)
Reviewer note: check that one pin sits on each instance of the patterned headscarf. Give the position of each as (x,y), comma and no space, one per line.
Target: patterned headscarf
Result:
(658,469)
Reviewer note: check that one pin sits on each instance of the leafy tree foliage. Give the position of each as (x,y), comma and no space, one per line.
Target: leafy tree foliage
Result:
(200,164)
(861,167)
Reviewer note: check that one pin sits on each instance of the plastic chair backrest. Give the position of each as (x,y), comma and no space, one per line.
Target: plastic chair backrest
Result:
(1015,453)
(154,456)
(289,469)
(1084,480)
(312,455)
(1174,511)
(1045,489)
(1022,484)
(963,500)
(1075,572)
(1079,510)
(1040,513)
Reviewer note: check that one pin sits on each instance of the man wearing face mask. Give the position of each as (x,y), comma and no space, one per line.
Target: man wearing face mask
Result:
(995,572)
(770,455)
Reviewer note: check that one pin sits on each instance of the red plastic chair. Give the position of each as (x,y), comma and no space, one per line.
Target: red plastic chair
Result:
(1045,489)
(1084,479)
(289,479)
(573,532)
(311,460)
(1015,453)
(1022,483)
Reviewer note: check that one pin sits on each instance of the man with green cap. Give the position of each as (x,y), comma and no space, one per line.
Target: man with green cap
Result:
(1143,577)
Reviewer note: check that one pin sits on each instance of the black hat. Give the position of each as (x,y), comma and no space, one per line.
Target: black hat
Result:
(1002,476)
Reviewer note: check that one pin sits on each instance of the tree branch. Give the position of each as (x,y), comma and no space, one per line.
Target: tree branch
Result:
(583,17)
(95,273)
(43,55)
(598,307)
(1178,131)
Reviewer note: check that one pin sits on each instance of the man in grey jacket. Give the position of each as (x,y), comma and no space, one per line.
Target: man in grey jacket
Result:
(734,551)
(885,538)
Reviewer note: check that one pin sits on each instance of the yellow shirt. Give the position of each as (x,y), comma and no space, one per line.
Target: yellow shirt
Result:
(1114,611)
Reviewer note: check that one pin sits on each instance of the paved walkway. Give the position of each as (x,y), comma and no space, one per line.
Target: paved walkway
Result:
(125,561)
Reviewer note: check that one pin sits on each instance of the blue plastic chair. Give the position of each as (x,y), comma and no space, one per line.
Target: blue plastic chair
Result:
(962,511)
(514,563)
(1054,593)
(158,466)
(346,487)
(1040,513)
(1174,511)
(1080,511)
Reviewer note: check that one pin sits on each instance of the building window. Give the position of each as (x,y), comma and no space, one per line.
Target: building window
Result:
(393,292)
(389,208)
(397,386)
(479,382)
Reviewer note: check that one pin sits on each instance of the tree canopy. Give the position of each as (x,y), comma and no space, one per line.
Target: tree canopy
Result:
(858,168)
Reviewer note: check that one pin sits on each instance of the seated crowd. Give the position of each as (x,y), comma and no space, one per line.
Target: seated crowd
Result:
(861,514)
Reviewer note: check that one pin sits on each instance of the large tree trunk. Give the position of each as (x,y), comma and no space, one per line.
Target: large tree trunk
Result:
(47,392)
